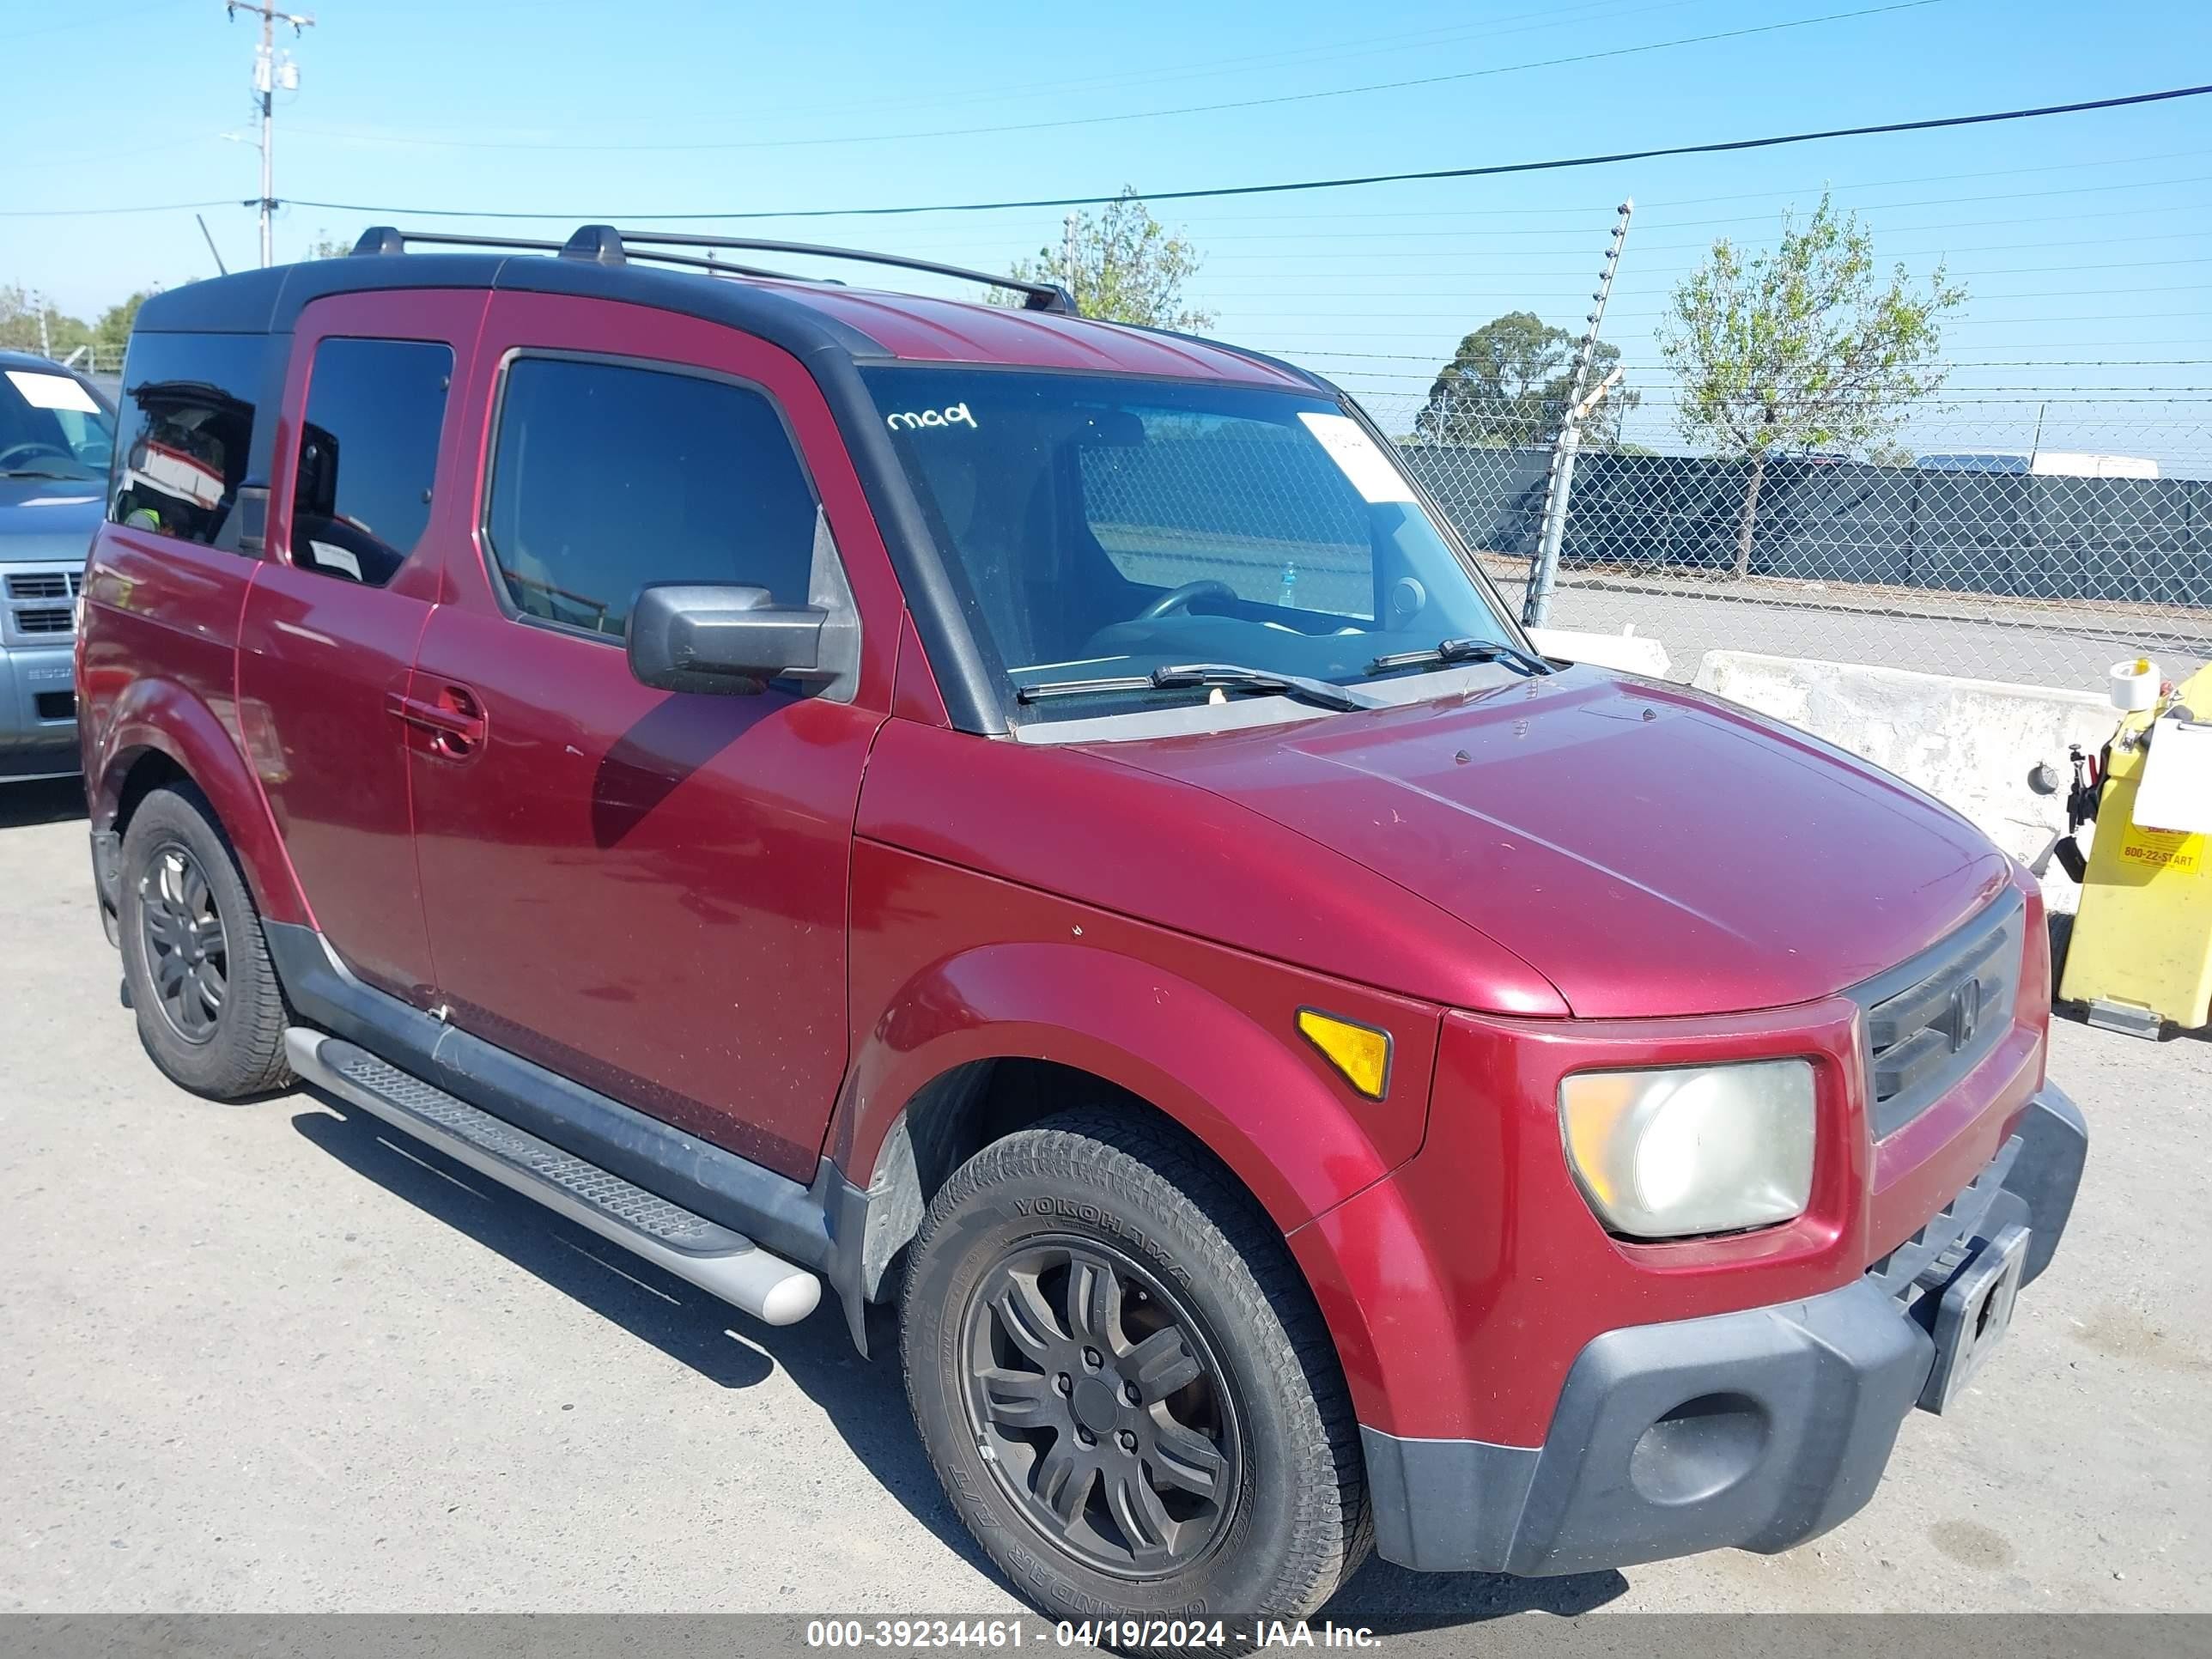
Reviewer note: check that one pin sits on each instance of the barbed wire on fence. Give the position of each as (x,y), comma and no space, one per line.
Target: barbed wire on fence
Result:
(1969,553)
(2043,512)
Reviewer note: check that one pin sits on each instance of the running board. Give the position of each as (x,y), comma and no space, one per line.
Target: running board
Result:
(727,1264)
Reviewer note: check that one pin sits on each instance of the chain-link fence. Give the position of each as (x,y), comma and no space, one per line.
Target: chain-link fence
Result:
(85,359)
(1965,559)
(2045,513)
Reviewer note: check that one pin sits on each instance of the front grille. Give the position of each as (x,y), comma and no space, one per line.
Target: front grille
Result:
(39,602)
(45,585)
(1931,1020)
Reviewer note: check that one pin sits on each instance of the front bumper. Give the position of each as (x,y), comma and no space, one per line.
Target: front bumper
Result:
(1756,1430)
(38,717)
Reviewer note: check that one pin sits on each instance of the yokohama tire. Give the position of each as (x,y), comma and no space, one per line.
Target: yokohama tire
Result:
(1205,1299)
(208,1009)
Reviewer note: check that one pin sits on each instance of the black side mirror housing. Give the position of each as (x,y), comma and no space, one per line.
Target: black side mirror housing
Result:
(683,636)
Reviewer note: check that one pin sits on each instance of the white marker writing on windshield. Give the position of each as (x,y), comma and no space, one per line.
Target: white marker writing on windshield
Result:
(951,415)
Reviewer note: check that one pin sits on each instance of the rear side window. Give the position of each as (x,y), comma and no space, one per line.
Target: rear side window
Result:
(606,476)
(367,454)
(183,434)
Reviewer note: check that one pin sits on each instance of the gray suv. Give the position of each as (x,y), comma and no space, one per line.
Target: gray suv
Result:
(57,438)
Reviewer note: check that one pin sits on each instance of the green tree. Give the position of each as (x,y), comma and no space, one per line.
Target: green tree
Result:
(1507,386)
(22,314)
(1127,268)
(1806,347)
(112,330)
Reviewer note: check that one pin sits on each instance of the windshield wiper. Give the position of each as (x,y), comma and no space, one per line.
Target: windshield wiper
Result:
(41,472)
(1457,651)
(1209,676)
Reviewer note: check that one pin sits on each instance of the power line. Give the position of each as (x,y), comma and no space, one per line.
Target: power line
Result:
(1492,170)
(1596,209)
(1944,393)
(101,213)
(1329,52)
(1496,170)
(1515,275)
(1460,319)
(1390,266)
(2035,362)
(2164,209)
(787,142)
(106,21)
(1400,334)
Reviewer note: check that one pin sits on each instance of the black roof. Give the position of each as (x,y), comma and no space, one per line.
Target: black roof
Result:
(270,301)
(804,316)
(819,324)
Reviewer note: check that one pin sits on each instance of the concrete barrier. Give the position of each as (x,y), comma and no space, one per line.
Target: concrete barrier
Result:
(1969,742)
(1626,650)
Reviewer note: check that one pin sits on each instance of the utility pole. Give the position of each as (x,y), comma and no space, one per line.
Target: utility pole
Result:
(1067,258)
(1536,609)
(269,73)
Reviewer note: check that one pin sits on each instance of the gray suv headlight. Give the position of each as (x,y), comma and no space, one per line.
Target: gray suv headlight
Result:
(1708,1149)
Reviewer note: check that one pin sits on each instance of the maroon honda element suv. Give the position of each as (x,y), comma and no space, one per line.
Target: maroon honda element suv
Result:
(1044,825)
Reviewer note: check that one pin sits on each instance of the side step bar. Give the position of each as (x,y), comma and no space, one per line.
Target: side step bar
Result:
(725,1263)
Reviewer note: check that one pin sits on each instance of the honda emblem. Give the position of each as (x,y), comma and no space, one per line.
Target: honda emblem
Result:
(1966,1013)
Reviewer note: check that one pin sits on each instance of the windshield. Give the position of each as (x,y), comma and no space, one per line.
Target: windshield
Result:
(52,427)
(1103,527)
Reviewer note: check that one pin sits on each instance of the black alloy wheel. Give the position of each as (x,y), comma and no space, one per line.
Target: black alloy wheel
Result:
(1098,1403)
(187,948)
(1123,1382)
(196,968)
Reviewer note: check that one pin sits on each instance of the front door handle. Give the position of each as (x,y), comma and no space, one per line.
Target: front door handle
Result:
(454,719)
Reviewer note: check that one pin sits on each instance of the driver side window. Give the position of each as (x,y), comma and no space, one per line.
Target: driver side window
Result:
(607,475)
(1208,499)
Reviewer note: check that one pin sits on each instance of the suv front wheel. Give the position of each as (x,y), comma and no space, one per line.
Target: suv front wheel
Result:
(194,960)
(1124,1384)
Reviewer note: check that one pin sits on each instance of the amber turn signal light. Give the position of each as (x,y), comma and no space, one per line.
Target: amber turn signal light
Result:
(1361,1052)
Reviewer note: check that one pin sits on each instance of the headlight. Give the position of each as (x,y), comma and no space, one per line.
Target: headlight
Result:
(1703,1150)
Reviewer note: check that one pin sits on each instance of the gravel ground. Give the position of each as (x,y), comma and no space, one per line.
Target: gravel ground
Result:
(271,1357)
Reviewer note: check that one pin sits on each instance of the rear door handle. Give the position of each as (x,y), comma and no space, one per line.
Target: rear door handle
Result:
(454,719)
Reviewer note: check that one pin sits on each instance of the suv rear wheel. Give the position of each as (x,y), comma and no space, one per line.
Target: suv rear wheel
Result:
(194,959)
(1123,1383)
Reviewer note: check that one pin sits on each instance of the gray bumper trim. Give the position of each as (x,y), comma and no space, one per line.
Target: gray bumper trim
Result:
(1757,1430)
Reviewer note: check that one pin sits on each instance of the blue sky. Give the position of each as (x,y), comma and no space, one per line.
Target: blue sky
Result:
(2083,240)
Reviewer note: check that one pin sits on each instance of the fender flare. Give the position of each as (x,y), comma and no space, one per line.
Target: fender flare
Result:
(1240,1088)
(161,716)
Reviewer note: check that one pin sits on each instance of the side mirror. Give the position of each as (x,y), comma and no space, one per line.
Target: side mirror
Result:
(688,637)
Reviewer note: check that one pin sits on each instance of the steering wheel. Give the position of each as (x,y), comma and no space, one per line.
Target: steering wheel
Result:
(1180,598)
(32,451)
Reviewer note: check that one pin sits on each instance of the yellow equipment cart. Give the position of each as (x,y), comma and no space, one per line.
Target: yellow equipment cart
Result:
(2141,949)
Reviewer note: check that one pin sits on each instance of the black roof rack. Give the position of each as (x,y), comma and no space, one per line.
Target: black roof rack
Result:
(605,245)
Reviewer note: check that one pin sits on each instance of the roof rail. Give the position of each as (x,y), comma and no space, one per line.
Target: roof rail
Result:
(605,245)
(383,239)
(1036,296)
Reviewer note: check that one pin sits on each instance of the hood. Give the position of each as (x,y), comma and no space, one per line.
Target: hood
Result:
(49,521)
(1650,850)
